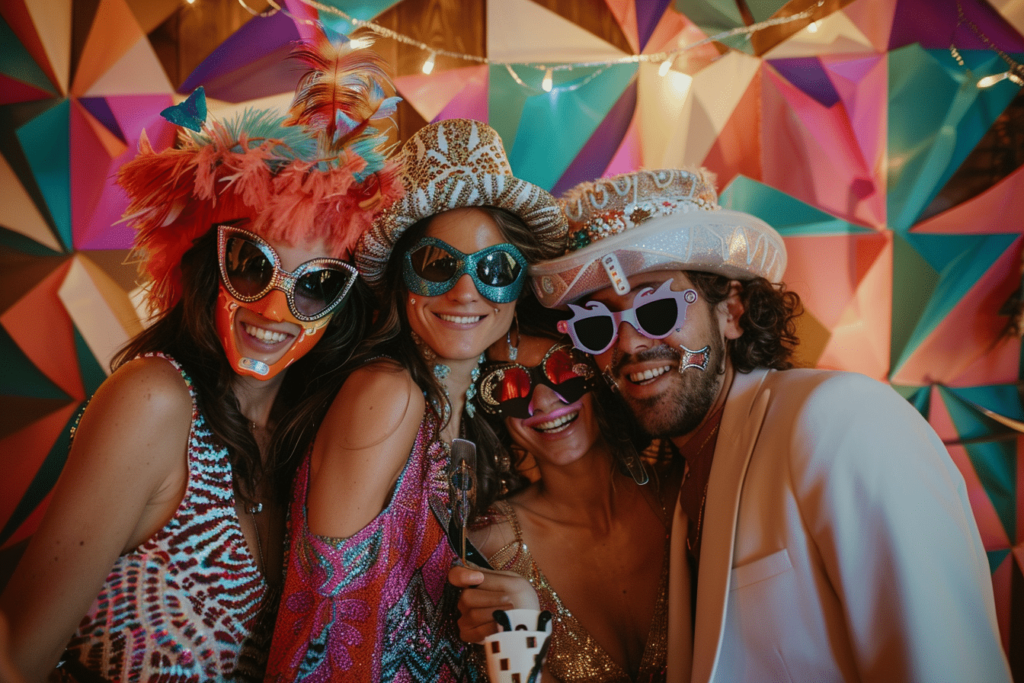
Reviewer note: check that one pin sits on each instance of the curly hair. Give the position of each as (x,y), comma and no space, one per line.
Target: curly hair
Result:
(768,321)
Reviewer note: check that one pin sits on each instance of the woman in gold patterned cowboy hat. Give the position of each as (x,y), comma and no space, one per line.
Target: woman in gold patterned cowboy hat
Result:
(366,596)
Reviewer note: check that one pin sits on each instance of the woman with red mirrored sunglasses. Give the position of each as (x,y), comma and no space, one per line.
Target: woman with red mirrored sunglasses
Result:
(588,538)
(160,556)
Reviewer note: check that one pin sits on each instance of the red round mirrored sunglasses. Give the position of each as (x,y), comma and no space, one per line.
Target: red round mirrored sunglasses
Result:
(506,389)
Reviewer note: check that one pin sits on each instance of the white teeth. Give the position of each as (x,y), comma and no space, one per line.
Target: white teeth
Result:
(268,336)
(558,424)
(460,319)
(646,375)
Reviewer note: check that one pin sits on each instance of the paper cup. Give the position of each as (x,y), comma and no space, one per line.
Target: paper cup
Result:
(512,655)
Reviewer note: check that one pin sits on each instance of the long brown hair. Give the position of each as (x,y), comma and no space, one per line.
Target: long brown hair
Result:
(187,333)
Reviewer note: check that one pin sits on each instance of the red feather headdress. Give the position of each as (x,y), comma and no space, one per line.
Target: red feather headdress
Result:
(320,172)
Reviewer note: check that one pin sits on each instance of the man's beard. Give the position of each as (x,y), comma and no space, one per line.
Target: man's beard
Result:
(679,409)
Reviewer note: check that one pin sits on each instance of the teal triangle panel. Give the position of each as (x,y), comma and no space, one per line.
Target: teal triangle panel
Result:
(45,143)
(363,10)
(20,377)
(714,17)
(764,9)
(961,260)
(90,369)
(26,245)
(919,397)
(994,459)
(43,482)
(554,126)
(970,423)
(1003,399)
(913,281)
(16,62)
(506,99)
(937,115)
(787,214)
(996,558)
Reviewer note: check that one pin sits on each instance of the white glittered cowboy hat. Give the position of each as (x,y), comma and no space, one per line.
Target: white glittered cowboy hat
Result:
(453,164)
(653,220)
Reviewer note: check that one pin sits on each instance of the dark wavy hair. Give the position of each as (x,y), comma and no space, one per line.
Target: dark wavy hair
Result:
(768,321)
(620,431)
(187,332)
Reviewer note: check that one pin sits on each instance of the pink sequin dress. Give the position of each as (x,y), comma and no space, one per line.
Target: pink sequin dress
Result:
(376,606)
(186,604)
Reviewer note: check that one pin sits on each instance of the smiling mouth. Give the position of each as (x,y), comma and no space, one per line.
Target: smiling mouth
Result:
(460,319)
(265,336)
(647,376)
(559,424)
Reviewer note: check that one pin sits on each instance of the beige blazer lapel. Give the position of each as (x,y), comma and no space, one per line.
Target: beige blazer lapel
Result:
(741,423)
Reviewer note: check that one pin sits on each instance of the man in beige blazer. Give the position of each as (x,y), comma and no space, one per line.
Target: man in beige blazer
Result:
(822,532)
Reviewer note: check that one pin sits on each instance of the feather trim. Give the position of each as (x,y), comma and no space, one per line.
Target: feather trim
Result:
(316,176)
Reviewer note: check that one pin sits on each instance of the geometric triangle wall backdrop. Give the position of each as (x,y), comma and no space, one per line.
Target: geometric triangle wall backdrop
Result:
(890,174)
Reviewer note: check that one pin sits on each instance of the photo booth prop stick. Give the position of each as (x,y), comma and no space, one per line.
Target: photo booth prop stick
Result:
(462,498)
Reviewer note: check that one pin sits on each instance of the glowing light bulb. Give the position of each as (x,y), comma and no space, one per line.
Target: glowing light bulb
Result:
(428,65)
(989,81)
(665,66)
(547,83)
(812,27)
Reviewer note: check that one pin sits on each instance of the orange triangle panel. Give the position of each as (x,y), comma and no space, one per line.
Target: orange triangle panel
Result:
(51,347)
(23,452)
(114,32)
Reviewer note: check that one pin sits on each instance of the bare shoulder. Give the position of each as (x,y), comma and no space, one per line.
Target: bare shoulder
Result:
(492,532)
(361,448)
(374,403)
(146,387)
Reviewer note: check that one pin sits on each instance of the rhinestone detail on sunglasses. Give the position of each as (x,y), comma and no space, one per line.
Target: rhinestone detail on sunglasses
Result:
(280,278)
(506,389)
(498,262)
(593,328)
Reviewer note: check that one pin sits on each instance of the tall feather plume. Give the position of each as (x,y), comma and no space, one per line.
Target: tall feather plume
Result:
(342,95)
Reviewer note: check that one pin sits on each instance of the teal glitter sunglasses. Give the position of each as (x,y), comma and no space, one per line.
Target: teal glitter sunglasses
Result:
(432,267)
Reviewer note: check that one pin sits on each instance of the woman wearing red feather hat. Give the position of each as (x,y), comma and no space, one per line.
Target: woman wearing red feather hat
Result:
(166,528)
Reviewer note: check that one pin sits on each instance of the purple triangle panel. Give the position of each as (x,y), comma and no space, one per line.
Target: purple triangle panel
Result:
(100,110)
(648,14)
(934,25)
(810,76)
(597,153)
(249,64)
(271,75)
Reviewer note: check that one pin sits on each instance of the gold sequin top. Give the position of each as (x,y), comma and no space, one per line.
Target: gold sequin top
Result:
(574,656)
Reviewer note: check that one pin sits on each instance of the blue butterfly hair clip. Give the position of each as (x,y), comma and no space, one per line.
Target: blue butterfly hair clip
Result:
(189,114)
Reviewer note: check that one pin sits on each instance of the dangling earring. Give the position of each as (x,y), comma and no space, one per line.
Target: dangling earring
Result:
(504,466)
(513,351)
(612,383)
(471,391)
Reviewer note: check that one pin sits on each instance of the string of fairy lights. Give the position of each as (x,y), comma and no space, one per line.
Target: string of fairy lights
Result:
(665,59)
